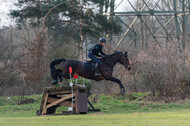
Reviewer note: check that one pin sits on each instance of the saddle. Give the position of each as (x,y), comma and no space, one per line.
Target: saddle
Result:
(89,61)
(89,64)
(103,59)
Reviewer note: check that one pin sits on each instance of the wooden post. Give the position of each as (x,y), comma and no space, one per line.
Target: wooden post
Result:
(44,105)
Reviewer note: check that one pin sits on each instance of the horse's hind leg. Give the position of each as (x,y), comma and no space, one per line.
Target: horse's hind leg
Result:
(110,78)
(54,75)
(59,74)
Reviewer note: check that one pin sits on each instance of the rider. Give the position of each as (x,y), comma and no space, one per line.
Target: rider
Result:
(94,51)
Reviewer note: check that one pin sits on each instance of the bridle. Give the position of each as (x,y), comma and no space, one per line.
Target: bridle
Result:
(126,66)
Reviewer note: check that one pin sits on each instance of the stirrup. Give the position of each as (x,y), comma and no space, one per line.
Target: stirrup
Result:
(97,74)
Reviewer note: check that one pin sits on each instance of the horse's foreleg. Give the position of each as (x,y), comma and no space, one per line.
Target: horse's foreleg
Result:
(110,78)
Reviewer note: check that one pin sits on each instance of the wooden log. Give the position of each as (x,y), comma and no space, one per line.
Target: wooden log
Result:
(58,101)
(44,110)
(60,92)
(65,103)
(80,87)
(64,89)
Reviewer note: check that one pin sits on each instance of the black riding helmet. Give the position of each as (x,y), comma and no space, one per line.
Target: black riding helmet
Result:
(102,40)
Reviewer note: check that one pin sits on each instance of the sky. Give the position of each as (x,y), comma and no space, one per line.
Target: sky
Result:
(122,6)
(7,5)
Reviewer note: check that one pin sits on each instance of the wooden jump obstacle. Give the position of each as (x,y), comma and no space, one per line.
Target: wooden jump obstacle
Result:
(58,96)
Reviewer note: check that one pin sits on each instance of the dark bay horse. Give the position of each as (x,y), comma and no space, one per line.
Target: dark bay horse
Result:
(106,68)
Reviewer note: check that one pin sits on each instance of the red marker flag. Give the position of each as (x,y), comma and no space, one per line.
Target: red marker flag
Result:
(75,76)
(70,69)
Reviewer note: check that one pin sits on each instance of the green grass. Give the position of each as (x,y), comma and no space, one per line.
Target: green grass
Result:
(179,118)
(115,110)
(119,104)
(10,108)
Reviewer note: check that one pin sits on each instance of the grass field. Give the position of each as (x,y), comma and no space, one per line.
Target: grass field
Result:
(179,118)
(115,110)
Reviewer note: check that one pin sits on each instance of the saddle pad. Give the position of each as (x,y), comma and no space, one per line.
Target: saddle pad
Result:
(89,66)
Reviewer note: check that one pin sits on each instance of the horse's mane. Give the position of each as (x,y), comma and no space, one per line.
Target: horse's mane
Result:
(114,53)
(107,59)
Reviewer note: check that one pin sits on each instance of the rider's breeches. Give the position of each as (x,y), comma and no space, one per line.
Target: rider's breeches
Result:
(91,56)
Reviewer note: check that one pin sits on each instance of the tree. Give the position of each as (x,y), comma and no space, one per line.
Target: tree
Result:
(66,22)
(8,58)
(33,63)
(67,14)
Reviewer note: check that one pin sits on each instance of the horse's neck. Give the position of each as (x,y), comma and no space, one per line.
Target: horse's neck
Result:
(114,59)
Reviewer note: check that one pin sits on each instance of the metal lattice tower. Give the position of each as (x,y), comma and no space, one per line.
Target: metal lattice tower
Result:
(160,20)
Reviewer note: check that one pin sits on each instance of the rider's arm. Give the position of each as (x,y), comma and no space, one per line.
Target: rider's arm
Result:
(100,50)
(102,53)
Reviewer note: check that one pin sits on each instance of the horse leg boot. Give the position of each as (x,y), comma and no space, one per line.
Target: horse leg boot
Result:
(122,89)
(97,73)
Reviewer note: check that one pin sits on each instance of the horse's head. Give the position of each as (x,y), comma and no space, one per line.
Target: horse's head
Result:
(125,61)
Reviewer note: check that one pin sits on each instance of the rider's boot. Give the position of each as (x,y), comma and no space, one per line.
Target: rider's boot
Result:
(97,73)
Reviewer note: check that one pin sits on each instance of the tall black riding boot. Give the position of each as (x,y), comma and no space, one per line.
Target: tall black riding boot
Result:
(97,73)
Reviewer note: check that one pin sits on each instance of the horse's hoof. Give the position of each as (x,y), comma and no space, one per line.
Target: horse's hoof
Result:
(54,83)
(122,91)
(129,68)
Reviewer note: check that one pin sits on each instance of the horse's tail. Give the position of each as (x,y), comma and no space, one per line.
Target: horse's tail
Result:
(54,62)
(54,72)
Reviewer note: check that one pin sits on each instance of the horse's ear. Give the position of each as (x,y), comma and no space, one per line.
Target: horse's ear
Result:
(126,53)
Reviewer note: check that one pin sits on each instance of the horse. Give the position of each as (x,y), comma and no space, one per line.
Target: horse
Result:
(81,68)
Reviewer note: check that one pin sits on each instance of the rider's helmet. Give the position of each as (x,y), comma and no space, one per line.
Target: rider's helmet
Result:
(102,40)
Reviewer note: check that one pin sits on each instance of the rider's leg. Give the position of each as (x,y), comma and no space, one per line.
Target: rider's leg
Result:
(97,72)
(91,56)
